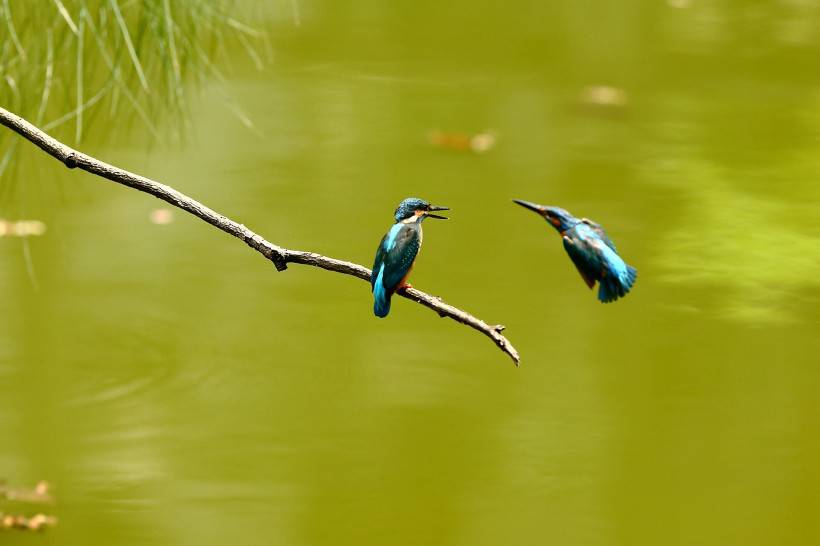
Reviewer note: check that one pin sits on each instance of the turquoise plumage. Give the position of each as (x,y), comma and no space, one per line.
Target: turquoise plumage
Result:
(397,251)
(591,250)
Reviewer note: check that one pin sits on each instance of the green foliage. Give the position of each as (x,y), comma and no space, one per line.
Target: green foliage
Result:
(66,62)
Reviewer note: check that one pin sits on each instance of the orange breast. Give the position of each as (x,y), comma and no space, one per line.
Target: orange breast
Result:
(403,281)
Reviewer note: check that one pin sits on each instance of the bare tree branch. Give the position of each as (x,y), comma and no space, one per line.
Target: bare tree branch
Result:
(280,257)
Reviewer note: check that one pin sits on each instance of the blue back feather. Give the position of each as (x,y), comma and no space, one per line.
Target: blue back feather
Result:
(394,257)
(595,256)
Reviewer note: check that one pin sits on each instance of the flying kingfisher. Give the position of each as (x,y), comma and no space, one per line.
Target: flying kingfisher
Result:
(397,251)
(591,250)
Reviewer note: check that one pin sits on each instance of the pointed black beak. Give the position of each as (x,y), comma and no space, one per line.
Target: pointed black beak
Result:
(438,217)
(540,209)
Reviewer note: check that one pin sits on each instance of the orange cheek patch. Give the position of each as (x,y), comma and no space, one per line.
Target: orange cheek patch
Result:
(555,221)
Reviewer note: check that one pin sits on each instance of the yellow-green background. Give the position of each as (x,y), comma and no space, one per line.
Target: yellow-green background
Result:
(176,389)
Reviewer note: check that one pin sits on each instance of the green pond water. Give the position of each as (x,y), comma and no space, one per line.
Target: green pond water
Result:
(175,389)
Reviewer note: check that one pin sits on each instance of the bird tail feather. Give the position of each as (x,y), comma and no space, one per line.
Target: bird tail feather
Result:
(631,275)
(613,287)
(381,305)
(381,296)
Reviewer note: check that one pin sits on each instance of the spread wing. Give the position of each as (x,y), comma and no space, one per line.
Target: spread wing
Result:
(599,230)
(395,256)
(585,260)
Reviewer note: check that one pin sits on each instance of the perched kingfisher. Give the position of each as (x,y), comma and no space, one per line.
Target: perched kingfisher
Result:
(397,251)
(591,250)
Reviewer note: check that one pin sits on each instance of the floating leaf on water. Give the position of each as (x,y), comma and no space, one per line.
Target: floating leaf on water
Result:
(37,522)
(39,494)
(482,142)
(161,217)
(21,228)
(40,521)
(463,142)
(41,488)
(604,96)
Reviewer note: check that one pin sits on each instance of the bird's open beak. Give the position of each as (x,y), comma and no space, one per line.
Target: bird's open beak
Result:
(434,207)
(540,209)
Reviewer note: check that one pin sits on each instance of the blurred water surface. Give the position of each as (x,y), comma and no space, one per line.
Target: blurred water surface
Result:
(177,390)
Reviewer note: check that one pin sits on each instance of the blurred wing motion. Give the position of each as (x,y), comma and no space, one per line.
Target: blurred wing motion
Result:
(394,260)
(595,257)
(582,260)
